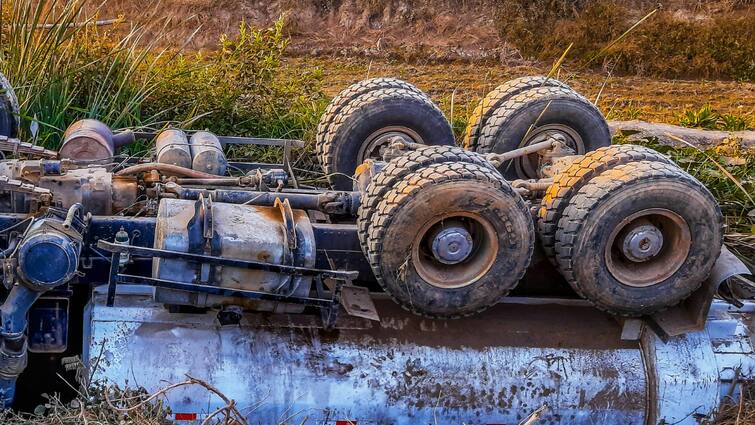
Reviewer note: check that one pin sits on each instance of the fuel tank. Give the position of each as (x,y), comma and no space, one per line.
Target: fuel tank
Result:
(493,368)
(243,232)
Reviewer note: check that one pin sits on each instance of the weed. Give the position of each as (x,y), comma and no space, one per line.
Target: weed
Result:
(707,118)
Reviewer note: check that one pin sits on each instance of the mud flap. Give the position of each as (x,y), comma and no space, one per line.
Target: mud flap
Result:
(690,315)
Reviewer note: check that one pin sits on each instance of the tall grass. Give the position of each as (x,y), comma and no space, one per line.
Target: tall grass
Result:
(65,68)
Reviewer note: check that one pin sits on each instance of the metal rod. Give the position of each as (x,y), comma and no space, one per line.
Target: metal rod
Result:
(244,264)
(516,153)
(165,168)
(234,140)
(222,291)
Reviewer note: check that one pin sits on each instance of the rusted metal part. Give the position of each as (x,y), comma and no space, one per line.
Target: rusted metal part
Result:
(172,147)
(647,247)
(92,140)
(96,188)
(690,315)
(166,169)
(207,154)
(242,232)
(409,370)
(16,146)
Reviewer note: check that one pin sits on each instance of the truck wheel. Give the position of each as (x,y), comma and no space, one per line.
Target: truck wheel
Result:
(639,238)
(10,121)
(495,98)
(349,94)
(397,170)
(531,115)
(450,240)
(368,124)
(570,181)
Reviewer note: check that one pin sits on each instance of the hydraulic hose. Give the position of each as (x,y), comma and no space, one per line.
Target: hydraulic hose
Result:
(165,168)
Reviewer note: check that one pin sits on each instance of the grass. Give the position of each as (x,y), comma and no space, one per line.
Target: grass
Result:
(247,86)
(709,119)
(123,77)
(720,45)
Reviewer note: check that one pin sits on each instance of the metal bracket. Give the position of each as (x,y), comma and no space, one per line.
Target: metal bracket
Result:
(328,303)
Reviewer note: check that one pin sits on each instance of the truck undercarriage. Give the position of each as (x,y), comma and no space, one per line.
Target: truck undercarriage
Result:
(536,266)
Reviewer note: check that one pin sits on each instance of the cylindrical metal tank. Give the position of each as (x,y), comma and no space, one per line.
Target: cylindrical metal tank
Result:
(173,148)
(243,232)
(493,368)
(207,153)
(92,140)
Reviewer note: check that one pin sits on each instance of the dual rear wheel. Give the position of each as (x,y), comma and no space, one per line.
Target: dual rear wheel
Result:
(447,236)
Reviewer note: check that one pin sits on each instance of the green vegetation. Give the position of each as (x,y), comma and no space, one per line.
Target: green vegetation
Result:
(119,75)
(709,119)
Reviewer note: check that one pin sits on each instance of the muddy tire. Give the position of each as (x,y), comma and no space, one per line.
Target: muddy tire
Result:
(370,121)
(349,94)
(397,170)
(498,96)
(576,175)
(639,238)
(527,117)
(450,240)
(9,110)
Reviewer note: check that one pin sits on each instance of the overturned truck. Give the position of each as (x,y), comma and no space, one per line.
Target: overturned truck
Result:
(537,267)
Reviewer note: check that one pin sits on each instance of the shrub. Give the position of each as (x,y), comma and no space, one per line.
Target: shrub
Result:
(122,77)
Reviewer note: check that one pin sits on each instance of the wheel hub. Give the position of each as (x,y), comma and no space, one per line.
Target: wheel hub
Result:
(529,166)
(378,141)
(647,247)
(452,245)
(642,243)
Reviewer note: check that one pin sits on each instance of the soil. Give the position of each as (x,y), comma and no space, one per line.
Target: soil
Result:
(406,29)
(620,97)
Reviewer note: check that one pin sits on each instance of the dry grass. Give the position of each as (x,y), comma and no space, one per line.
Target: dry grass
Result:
(116,407)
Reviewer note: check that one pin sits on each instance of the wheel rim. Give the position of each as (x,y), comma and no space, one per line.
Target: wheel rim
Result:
(529,165)
(454,250)
(648,247)
(375,144)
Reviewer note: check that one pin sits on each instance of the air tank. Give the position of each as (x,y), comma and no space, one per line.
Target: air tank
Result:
(207,153)
(173,148)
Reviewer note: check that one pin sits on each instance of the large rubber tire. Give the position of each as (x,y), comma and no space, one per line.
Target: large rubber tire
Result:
(9,109)
(370,113)
(498,96)
(397,170)
(435,195)
(580,172)
(346,96)
(523,115)
(601,208)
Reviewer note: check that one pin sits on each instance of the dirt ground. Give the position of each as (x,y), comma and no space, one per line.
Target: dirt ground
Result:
(620,97)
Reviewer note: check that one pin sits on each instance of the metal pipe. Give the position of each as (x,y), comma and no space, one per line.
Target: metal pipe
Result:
(332,202)
(75,209)
(165,168)
(219,181)
(516,153)
(13,352)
